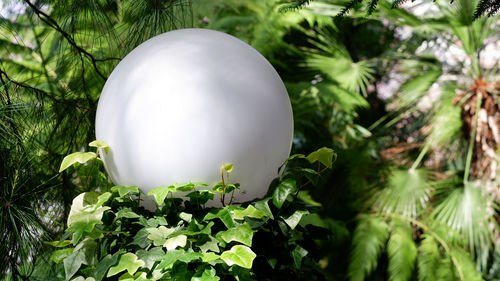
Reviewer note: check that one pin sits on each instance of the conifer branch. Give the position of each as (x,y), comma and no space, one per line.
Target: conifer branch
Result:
(294,5)
(42,92)
(9,103)
(53,24)
(484,7)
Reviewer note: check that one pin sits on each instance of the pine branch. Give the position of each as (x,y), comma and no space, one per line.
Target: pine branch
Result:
(294,5)
(484,8)
(487,7)
(9,115)
(397,3)
(347,8)
(372,6)
(42,92)
(53,24)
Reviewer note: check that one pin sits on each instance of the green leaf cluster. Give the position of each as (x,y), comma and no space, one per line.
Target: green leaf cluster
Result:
(110,235)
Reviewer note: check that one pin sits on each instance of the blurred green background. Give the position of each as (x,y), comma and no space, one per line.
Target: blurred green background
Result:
(406,93)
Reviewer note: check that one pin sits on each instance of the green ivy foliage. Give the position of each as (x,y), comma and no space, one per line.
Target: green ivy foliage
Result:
(110,235)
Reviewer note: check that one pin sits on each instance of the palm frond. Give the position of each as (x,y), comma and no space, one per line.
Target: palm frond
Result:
(320,13)
(467,210)
(354,76)
(414,89)
(402,252)
(428,258)
(471,33)
(407,193)
(494,270)
(330,57)
(369,238)
(464,265)
(345,99)
(463,11)
(446,120)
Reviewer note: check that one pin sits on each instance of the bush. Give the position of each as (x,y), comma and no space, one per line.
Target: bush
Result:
(111,236)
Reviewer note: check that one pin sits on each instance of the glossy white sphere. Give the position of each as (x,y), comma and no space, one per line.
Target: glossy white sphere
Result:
(186,101)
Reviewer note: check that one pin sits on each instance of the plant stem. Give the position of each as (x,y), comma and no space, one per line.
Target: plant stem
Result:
(223,194)
(420,156)
(472,139)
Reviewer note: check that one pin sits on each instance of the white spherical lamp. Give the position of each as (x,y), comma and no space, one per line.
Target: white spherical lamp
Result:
(183,103)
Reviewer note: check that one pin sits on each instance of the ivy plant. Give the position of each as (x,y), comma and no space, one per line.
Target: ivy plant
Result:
(111,236)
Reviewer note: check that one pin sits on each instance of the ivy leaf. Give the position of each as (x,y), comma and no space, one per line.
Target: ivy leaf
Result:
(78,229)
(200,197)
(212,245)
(306,198)
(77,157)
(230,187)
(73,262)
(263,206)
(127,262)
(227,167)
(250,211)
(141,238)
(185,217)
(84,215)
(81,278)
(324,155)
(310,174)
(87,247)
(160,193)
(100,144)
(151,256)
(103,266)
(239,255)
(209,257)
(224,215)
(194,228)
(285,188)
(169,258)
(208,274)
(188,257)
(154,222)
(126,213)
(103,198)
(283,166)
(197,183)
(183,187)
(125,189)
(159,235)
(241,233)
(58,244)
(294,219)
(297,254)
(174,242)
(59,255)
(218,187)
(242,274)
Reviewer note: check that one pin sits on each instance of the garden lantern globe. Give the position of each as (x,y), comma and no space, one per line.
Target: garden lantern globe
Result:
(187,101)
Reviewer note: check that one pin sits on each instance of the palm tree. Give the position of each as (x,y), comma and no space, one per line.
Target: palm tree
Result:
(437,217)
